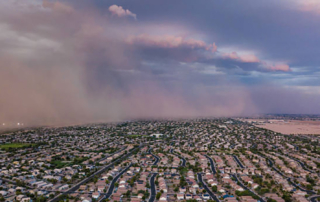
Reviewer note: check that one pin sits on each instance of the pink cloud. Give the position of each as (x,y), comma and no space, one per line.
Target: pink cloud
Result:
(57,6)
(249,58)
(120,12)
(170,41)
(278,67)
(275,66)
(308,6)
(55,83)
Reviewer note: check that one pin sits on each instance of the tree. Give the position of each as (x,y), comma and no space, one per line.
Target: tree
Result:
(309,187)
(158,195)
(286,197)
(95,180)
(41,199)
(176,189)
(214,188)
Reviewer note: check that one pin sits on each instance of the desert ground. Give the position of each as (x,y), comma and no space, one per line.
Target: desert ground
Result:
(292,126)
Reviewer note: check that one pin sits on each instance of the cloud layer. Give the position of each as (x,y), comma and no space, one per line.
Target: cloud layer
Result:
(120,12)
(76,62)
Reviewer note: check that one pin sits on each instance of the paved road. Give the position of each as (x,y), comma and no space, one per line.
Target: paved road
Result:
(70,192)
(311,192)
(111,188)
(153,188)
(276,169)
(206,188)
(314,198)
(157,158)
(183,159)
(104,158)
(302,164)
(246,188)
(103,169)
(213,169)
(238,161)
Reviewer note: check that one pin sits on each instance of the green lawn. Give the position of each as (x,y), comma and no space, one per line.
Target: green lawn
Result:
(60,164)
(14,145)
(134,135)
(184,170)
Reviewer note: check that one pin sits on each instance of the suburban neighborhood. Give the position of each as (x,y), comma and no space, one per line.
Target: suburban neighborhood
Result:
(222,160)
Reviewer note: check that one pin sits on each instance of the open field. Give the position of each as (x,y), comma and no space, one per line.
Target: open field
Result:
(14,145)
(292,127)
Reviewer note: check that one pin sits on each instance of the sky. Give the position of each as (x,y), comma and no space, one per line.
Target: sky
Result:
(79,61)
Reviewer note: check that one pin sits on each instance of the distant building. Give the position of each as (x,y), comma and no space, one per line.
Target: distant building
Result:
(157,135)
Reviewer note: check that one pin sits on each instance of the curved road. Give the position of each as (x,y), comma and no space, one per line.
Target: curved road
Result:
(303,165)
(183,160)
(311,192)
(207,189)
(111,188)
(238,161)
(153,188)
(103,169)
(104,158)
(213,169)
(314,198)
(157,158)
(246,188)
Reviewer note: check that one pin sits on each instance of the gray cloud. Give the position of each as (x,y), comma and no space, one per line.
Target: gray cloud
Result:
(61,66)
(73,62)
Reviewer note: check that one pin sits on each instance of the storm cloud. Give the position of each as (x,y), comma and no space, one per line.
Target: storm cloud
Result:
(65,62)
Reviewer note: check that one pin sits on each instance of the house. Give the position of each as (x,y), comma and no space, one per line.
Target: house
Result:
(3,193)
(63,187)
(248,199)
(182,189)
(197,198)
(101,188)
(157,135)
(25,199)
(163,198)
(188,196)
(255,185)
(95,195)
(135,200)
(206,196)
(140,196)
(180,196)
(86,199)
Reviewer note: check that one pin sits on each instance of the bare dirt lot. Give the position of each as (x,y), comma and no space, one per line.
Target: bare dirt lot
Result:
(293,127)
